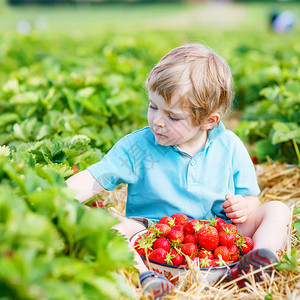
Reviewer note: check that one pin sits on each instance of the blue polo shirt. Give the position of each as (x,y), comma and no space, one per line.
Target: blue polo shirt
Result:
(162,182)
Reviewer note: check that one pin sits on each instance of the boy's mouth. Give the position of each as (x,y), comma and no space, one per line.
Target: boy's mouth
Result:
(159,134)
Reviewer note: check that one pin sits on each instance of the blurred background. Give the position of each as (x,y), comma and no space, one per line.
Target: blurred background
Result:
(79,67)
(139,15)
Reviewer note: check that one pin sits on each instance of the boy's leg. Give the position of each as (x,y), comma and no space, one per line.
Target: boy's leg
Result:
(128,228)
(152,282)
(267,226)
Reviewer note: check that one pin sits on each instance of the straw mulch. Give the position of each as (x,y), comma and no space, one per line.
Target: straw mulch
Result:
(277,182)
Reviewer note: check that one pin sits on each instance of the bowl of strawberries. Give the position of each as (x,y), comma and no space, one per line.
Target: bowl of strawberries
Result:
(175,242)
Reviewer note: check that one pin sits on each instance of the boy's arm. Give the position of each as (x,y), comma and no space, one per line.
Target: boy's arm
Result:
(85,184)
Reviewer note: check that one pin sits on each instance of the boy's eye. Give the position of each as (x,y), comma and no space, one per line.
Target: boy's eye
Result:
(152,107)
(173,118)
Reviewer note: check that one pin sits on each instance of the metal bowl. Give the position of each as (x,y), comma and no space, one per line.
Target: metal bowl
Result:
(172,272)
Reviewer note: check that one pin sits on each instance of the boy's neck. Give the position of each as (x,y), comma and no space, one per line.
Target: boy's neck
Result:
(193,147)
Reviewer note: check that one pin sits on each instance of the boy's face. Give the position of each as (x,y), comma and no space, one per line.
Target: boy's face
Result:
(171,124)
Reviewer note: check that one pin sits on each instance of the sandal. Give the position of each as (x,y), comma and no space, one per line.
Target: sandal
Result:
(155,284)
(254,260)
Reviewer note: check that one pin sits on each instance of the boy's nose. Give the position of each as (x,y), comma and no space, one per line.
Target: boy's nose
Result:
(159,121)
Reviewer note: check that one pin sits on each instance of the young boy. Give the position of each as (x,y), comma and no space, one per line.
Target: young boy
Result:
(187,162)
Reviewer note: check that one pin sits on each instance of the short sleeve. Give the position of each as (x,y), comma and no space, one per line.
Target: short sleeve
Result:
(244,176)
(116,167)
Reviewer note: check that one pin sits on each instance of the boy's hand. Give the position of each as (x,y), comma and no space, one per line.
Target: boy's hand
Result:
(236,208)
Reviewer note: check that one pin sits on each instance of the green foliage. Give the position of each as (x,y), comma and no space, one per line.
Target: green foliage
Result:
(268,296)
(56,94)
(296,211)
(296,223)
(289,262)
(49,244)
(273,123)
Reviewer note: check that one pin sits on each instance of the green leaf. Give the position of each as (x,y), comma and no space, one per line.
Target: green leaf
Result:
(86,92)
(109,286)
(264,148)
(59,157)
(63,170)
(52,174)
(11,86)
(296,225)
(18,132)
(44,202)
(4,151)
(24,98)
(296,211)
(268,296)
(290,261)
(95,221)
(44,131)
(6,118)
(117,99)
(270,93)
(284,132)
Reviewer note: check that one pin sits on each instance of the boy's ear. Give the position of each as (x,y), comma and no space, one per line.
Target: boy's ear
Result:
(211,121)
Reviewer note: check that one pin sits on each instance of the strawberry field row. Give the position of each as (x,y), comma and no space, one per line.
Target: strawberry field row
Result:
(96,87)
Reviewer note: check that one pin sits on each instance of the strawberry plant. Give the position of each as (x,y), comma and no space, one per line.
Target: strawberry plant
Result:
(289,261)
(50,245)
(272,123)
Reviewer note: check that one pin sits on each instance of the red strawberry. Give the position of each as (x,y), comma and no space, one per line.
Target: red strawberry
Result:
(97,203)
(249,245)
(167,220)
(218,262)
(207,263)
(178,228)
(226,239)
(161,243)
(203,222)
(192,226)
(208,237)
(234,257)
(228,228)
(180,219)
(160,229)
(176,236)
(143,244)
(245,244)
(217,222)
(75,169)
(190,238)
(233,250)
(189,249)
(158,255)
(204,253)
(254,159)
(223,252)
(138,248)
(174,258)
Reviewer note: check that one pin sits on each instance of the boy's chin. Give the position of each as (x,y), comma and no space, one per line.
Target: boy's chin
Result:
(163,142)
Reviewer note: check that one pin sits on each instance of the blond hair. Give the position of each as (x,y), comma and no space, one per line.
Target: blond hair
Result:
(200,77)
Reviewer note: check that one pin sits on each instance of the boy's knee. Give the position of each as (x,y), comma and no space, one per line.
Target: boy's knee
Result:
(279,209)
